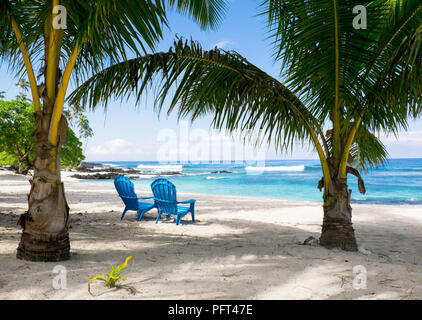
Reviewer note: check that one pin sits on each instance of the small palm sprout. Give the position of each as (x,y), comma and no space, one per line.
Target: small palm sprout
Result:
(113,276)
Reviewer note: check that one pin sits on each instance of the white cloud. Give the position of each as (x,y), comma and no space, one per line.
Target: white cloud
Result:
(223,44)
(116,149)
(403,137)
(406,145)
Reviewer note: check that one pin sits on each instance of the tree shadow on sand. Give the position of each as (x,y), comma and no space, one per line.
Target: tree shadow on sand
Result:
(245,260)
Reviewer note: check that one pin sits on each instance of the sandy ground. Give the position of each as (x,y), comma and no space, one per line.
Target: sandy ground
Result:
(239,248)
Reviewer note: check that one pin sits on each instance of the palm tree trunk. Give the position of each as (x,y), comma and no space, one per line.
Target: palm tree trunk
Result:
(45,234)
(337,229)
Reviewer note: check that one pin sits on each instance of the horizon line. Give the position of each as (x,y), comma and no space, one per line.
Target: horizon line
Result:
(227,161)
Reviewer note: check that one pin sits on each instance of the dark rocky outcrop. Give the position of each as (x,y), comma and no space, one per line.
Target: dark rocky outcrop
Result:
(97,176)
(113,173)
(221,172)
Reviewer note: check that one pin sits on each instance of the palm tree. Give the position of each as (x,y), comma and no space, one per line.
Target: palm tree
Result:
(65,39)
(342,86)
(2,94)
(23,85)
(75,116)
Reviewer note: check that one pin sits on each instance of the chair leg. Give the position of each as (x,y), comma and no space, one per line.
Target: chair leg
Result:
(192,211)
(178,220)
(123,215)
(158,217)
(140,214)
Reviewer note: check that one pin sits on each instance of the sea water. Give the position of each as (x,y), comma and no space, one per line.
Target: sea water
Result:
(398,182)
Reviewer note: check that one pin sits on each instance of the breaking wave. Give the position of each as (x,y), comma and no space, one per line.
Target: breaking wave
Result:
(161,168)
(279,168)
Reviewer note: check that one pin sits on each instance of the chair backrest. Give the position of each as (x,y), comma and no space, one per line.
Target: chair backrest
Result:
(126,191)
(165,196)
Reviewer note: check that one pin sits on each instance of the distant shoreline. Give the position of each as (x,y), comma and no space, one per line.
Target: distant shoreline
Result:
(211,161)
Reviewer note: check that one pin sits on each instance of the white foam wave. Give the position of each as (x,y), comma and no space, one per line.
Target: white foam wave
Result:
(111,165)
(214,178)
(98,168)
(145,177)
(279,168)
(158,168)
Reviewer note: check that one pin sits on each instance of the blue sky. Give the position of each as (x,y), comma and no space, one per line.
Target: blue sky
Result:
(136,133)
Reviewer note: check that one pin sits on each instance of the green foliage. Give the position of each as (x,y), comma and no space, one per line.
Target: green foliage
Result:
(109,29)
(16,142)
(113,276)
(7,159)
(207,13)
(16,127)
(71,152)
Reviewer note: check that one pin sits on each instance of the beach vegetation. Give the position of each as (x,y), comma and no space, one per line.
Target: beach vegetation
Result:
(17,143)
(113,276)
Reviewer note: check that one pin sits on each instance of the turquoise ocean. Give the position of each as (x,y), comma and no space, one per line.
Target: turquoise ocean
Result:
(399,182)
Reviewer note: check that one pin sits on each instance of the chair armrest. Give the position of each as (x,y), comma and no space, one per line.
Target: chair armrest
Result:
(124,197)
(188,201)
(145,198)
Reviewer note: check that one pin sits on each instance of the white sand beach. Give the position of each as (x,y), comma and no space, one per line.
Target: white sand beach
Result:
(239,248)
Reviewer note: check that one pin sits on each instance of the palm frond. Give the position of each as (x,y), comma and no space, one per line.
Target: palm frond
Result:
(367,151)
(390,85)
(208,13)
(332,70)
(238,95)
(108,29)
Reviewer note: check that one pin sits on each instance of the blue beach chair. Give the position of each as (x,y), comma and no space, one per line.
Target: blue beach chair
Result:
(166,201)
(126,191)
